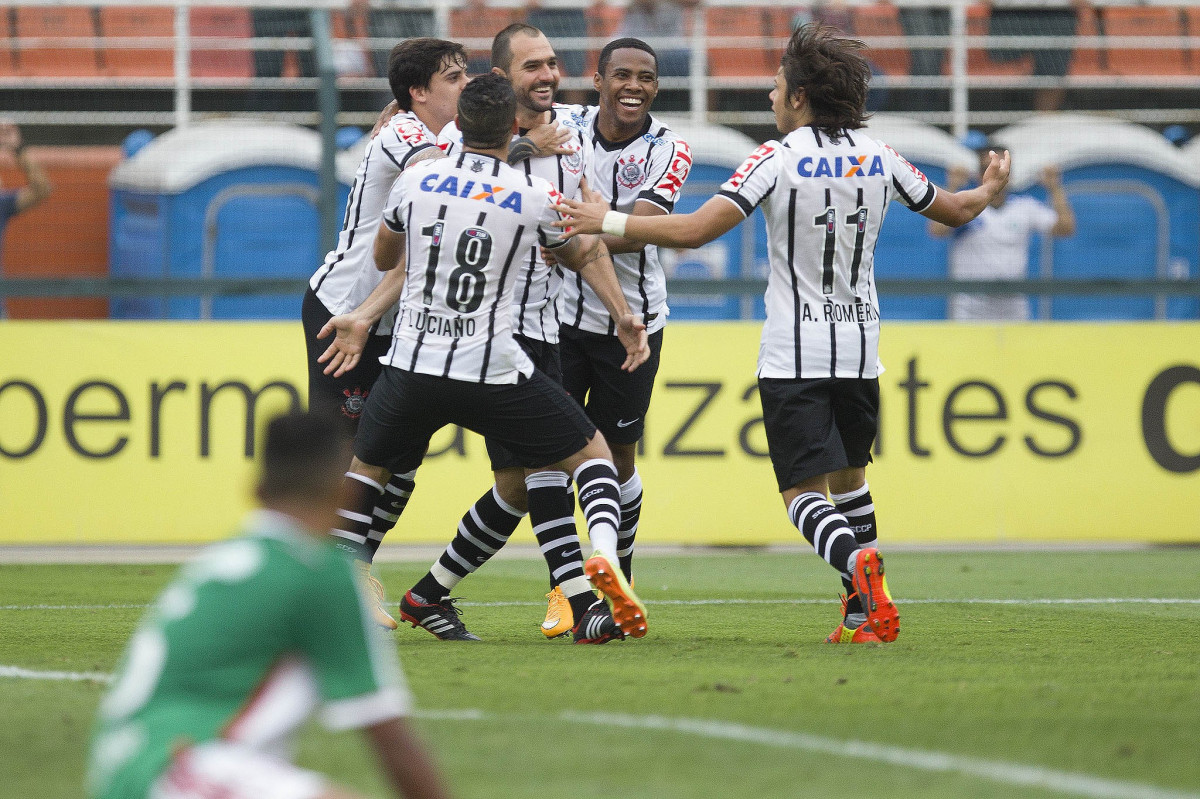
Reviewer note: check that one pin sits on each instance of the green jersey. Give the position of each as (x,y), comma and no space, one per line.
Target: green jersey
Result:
(246,642)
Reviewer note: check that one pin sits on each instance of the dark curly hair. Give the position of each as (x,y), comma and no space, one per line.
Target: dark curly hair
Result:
(833,74)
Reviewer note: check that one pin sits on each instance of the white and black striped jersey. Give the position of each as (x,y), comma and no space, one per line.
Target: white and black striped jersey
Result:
(535,312)
(651,167)
(468,221)
(349,274)
(824,202)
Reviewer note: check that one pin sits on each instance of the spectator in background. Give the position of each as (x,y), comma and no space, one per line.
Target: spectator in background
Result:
(834,13)
(658,19)
(1037,18)
(278,22)
(995,246)
(37,188)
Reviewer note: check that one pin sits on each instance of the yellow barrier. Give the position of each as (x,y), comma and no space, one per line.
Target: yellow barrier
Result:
(143,432)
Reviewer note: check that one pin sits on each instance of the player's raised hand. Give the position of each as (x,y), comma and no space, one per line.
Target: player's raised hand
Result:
(995,177)
(385,116)
(631,331)
(10,137)
(581,217)
(346,349)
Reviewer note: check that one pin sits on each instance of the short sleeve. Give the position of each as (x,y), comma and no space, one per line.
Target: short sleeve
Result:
(754,180)
(357,672)
(393,212)
(670,163)
(450,139)
(550,236)
(911,186)
(8,206)
(1039,216)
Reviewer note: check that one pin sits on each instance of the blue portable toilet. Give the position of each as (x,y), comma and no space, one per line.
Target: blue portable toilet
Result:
(224,199)
(1136,200)
(906,249)
(716,152)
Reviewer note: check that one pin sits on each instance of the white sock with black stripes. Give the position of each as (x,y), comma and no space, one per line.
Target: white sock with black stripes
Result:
(859,510)
(600,500)
(822,526)
(631,514)
(361,493)
(387,510)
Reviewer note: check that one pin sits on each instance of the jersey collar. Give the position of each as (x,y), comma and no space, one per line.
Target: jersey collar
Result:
(618,145)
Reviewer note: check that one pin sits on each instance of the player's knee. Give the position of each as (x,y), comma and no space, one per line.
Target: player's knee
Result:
(510,486)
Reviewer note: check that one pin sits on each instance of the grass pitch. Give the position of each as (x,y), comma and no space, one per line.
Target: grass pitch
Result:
(1004,681)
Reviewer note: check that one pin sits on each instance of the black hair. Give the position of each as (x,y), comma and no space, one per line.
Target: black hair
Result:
(621,44)
(502,43)
(414,62)
(487,108)
(304,452)
(833,74)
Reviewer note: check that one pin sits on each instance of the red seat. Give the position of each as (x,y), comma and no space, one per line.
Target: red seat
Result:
(56,22)
(223,23)
(1145,21)
(133,22)
(882,19)
(8,65)
(603,21)
(1192,26)
(480,23)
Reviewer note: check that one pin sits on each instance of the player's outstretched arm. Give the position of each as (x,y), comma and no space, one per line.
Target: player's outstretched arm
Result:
(406,761)
(540,142)
(589,257)
(681,231)
(956,209)
(354,329)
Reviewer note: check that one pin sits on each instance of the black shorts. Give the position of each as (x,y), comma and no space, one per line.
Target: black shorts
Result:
(819,425)
(534,418)
(545,357)
(616,401)
(345,395)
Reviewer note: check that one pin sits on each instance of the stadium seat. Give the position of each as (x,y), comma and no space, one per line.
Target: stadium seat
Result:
(1088,60)
(57,22)
(758,55)
(1144,21)
(221,23)
(8,65)
(979,61)
(1192,28)
(479,22)
(131,22)
(603,20)
(882,19)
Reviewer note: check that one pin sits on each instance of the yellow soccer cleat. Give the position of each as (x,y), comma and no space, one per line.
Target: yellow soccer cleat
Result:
(627,609)
(378,613)
(559,617)
(852,635)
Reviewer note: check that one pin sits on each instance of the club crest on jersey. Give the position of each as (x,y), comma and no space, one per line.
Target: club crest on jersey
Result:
(470,190)
(840,166)
(476,166)
(630,171)
(572,162)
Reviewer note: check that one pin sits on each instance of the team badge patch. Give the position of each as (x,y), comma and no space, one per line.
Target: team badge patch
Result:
(355,401)
(572,162)
(630,171)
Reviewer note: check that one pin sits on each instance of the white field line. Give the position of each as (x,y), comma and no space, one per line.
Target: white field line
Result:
(998,771)
(698,602)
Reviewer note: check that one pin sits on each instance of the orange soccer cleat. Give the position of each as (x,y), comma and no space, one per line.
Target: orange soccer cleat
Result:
(871,586)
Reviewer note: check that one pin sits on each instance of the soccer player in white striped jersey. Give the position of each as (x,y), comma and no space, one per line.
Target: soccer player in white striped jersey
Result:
(824,190)
(452,237)
(426,76)
(524,55)
(638,166)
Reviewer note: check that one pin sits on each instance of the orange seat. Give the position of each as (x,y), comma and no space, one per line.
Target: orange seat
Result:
(1088,60)
(135,21)
(480,23)
(56,61)
(759,53)
(1144,21)
(1192,26)
(979,61)
(8,64)
(882,19)
(603,21)
(224,23)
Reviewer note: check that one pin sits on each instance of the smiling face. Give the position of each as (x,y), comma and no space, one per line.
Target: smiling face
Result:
(627,89)
(534,74)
